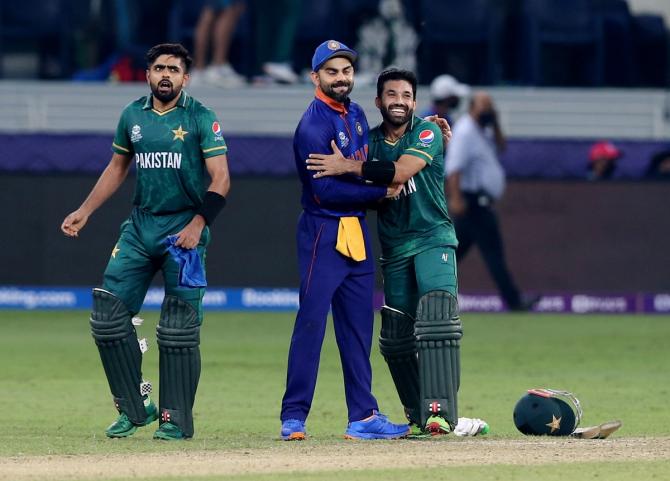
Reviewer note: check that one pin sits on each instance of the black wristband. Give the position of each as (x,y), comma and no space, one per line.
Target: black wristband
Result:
(379,171)
(212,204)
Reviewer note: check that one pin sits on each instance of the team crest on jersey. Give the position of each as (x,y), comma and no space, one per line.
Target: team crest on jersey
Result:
(179,134)
(344,141)
(359,128)
(426,137)
(135,133)
(216,129)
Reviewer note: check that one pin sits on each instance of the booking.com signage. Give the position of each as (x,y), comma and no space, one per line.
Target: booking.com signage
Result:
(257,299)
(215,299)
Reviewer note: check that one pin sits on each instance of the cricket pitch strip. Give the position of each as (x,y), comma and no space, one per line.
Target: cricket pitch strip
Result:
(305,457)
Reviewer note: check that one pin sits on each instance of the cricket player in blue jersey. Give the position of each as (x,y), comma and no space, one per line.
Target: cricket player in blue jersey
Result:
(334,255)
(421,327)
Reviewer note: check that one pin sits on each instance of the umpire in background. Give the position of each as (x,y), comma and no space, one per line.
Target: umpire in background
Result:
(475,181)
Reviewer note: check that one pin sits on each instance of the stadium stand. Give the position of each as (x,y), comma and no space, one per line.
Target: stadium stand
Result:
(516,42)
(567,25)
(457,36)
(23,31)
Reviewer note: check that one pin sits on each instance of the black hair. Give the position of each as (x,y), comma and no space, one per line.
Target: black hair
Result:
(174,49)
(396,74)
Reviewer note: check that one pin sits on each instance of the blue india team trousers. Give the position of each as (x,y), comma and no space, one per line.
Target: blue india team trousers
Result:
(329,278)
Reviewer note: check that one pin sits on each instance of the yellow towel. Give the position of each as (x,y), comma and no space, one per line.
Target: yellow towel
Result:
(350,239)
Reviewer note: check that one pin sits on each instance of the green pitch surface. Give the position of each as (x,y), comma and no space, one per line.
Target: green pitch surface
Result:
(55,404)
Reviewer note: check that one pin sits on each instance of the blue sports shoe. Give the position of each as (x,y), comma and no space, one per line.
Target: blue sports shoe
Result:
(376,426)
(293,430)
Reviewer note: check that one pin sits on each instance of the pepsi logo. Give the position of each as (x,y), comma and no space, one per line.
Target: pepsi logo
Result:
(426,136)
(216,128)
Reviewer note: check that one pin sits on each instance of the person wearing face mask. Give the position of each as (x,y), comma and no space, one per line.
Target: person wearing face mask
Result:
(446,94)
(475,181)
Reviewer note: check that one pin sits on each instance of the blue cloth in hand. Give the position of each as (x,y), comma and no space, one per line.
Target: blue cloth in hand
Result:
(191,272)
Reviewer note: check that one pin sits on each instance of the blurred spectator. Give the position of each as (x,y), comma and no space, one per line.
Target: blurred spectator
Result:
(385,40)
(276,22)
(446,94)
(216,24)
(659,167)
(139,25)
(602,160)
(475,181)
(123,30)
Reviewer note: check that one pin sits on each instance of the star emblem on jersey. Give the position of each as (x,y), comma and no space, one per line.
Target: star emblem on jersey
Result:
(555,423)
(179,134)
(115,251)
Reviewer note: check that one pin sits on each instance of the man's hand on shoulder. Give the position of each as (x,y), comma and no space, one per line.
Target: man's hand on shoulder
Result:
(332,164)
(443,125)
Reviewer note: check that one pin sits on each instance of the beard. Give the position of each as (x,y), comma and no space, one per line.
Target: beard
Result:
(341,97)
(165,91)
(395,120)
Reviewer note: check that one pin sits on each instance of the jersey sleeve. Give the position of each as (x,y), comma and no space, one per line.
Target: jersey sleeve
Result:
(122,144)
(211,134)
(312,138)
(426,142)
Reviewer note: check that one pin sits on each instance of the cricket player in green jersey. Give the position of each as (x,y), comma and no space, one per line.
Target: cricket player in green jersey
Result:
(172,139)
(421,327)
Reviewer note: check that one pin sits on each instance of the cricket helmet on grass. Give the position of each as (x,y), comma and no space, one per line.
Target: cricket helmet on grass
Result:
(547,411)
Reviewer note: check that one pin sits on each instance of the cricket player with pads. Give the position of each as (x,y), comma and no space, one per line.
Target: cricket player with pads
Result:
(421,327)
(172,139)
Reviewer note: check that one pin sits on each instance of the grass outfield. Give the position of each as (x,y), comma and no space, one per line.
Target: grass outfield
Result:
(56,402)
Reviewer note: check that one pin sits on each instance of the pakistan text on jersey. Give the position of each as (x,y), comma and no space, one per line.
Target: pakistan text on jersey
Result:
(158,160)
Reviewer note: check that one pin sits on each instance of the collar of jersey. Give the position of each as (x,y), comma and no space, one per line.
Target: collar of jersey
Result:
(183,100)
(333,104)
(378,132)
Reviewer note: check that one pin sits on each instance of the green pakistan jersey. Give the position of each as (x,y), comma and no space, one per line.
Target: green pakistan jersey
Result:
(417,219)
(169,149)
